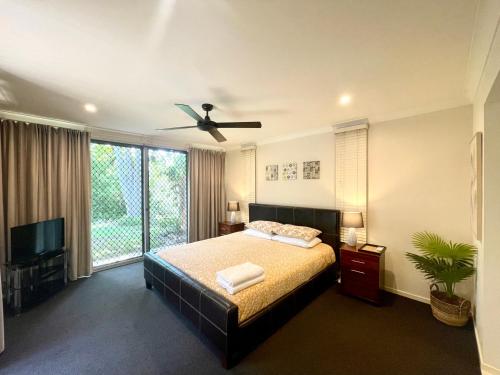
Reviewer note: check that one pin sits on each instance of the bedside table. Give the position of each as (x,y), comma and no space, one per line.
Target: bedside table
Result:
(226,227)
(361,273)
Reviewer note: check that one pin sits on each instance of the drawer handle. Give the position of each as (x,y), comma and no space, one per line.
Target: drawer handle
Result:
(361,272)
(358,261)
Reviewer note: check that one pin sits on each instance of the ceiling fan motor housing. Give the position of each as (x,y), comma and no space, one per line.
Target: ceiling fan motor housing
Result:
(207,107)
(206,124)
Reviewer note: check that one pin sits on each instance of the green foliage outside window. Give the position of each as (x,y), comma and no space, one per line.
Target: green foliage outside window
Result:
(107,199)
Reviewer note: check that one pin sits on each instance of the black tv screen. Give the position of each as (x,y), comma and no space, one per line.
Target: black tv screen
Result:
(30,240)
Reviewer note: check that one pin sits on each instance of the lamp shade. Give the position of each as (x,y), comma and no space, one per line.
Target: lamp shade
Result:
(233,206)
(352,220)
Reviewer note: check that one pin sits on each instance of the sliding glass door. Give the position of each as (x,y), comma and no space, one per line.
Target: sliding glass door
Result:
(116,203)
(139,200)
(167,198)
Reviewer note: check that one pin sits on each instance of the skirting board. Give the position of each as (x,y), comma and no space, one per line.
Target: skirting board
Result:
(407,295)
(489,370)
(485,368)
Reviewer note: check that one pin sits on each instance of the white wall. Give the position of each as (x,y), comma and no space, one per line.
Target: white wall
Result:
(489,313)
(308,193)
(485,67)
(418,179)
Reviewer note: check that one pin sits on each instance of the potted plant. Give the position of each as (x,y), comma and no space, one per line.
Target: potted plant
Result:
(446,264)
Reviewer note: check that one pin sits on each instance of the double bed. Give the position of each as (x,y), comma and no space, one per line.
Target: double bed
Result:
(233,324)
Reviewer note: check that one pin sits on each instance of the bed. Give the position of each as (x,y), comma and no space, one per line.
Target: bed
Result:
(234,324)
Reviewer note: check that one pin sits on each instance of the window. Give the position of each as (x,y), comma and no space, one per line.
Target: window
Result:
(351,171)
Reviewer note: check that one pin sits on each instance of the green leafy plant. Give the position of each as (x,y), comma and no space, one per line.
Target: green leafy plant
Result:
(445,263)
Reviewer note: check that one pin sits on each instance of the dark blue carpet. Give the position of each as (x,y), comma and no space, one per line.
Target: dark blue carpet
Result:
(111,324)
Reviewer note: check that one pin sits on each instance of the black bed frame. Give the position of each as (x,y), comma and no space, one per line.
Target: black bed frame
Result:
(216,317)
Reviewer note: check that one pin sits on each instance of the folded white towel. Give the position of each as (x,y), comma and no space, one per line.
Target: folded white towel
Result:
(233,276)
(240,287)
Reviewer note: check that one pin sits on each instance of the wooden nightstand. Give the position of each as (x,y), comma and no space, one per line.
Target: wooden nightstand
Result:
(361,273)
(226,227)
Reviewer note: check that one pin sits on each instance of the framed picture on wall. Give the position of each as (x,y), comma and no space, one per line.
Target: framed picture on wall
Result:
(272,172)
(289,171)
(311,170)
(476,185)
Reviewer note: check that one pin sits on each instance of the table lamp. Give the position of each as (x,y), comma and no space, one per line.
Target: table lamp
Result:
(233,206)
(352,220)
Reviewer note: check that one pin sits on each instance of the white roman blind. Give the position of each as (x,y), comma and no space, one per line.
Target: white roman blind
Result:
(351,153)
(249,159)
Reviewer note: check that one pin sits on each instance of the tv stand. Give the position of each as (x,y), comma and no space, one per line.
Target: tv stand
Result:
(33,280)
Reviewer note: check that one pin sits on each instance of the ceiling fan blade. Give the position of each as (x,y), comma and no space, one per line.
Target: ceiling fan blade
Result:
(239,125)
(179,127)
(189,111)
(217,135)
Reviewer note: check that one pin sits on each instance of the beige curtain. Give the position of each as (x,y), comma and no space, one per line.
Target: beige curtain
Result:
(207,195)
(45,174)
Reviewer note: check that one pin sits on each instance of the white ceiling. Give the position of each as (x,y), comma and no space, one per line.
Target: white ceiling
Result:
(284,63)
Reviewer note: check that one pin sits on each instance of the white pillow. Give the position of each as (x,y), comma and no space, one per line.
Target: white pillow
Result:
(257,233)
(297,241)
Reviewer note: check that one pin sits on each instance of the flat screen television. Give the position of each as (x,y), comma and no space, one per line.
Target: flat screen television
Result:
(31,240)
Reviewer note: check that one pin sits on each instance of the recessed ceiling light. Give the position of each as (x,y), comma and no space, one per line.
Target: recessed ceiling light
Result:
(89,107)
(345,99)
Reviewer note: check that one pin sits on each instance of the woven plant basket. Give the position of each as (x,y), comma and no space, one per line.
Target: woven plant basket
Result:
(456,315)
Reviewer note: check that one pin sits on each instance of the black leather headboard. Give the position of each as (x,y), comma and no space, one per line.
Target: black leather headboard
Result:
(327,221)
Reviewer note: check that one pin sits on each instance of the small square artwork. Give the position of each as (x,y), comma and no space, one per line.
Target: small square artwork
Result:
(311,170)
(272,172)
(289,171)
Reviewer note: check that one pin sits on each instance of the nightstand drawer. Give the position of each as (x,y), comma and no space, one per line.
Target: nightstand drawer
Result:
(359,261)
(360,276)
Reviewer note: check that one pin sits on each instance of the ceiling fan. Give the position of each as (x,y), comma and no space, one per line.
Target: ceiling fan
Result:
(207,125)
